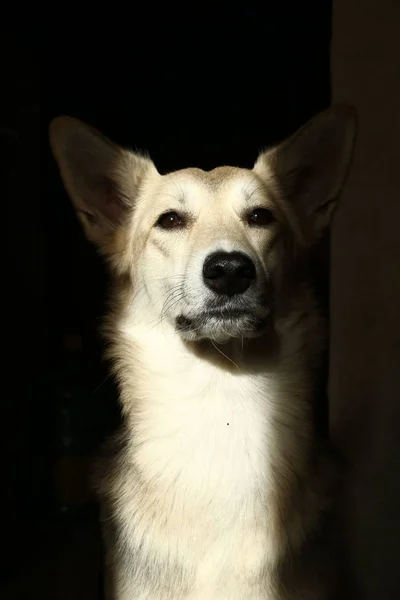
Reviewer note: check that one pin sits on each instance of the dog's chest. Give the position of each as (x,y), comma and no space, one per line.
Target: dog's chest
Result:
(204,449)
(207,438)
(209,457)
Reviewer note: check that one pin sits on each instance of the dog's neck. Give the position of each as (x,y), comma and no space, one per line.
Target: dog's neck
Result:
(240,411)
(284,356)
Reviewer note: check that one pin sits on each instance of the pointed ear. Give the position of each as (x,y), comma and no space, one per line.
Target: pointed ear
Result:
(310,168)
(101,178)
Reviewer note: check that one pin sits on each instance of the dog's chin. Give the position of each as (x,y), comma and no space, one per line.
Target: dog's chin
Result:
(220,328)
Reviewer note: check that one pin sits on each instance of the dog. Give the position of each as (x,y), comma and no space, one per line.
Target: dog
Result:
(215,488)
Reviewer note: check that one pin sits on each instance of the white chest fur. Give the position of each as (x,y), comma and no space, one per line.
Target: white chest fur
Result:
(204,442)
(203,427)
(202,435)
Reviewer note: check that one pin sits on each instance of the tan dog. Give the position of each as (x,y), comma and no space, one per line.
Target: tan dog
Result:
(214,489)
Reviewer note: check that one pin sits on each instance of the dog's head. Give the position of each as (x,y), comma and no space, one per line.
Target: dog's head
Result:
(205,251)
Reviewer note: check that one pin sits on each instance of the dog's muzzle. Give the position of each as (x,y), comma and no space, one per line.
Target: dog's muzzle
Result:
(232,307)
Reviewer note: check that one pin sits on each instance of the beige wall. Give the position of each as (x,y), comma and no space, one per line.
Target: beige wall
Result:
(365,295)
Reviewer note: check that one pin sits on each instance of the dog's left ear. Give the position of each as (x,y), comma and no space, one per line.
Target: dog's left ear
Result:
(310,168)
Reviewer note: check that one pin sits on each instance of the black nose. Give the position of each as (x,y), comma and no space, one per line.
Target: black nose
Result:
(228,273)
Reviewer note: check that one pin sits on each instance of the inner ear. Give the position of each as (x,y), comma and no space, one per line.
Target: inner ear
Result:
(297,182)
(114,202)
(310,168)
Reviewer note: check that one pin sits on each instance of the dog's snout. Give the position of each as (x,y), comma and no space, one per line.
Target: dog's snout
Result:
(228,273)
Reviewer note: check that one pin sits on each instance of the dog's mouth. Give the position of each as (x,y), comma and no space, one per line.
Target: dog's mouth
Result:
(222,324)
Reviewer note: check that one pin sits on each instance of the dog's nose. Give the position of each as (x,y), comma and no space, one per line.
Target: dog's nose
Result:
(228,273)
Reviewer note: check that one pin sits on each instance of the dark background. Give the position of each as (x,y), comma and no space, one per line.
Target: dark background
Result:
(194,87)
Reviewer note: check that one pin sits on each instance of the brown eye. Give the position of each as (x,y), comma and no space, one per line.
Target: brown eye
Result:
(170,220)
(260,217)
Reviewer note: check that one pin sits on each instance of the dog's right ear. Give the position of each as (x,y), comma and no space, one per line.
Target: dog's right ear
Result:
(310,168)
(101,178)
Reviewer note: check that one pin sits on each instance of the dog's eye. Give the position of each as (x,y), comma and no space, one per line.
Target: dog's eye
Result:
(170,220)
(260,217)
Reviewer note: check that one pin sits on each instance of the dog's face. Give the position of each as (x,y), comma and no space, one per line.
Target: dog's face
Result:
(203,245)
(205,251)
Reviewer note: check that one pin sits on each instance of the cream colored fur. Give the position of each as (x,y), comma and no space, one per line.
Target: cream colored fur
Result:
(214,482)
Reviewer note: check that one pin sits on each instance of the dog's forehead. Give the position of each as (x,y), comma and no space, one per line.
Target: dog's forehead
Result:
(220,183)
